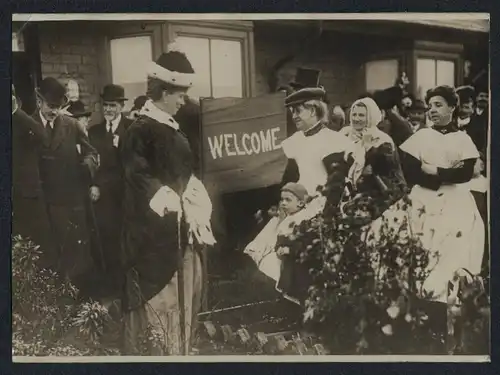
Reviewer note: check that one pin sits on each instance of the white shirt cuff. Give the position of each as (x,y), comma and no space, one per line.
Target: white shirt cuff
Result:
(165,199)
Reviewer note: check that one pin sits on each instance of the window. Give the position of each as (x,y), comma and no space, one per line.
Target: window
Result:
(381,74)
(218,66)
(129,59)
(222,55)
(433,72)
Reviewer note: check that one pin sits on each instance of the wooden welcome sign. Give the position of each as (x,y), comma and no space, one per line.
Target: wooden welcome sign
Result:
(241,142)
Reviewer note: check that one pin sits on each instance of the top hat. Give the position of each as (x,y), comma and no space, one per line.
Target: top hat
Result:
(77,109)
(113,93)
(305,77)
(52,91)
(172,67)
(304,95)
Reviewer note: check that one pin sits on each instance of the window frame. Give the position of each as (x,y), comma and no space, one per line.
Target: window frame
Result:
(393,55)
(438,51)
(241,32)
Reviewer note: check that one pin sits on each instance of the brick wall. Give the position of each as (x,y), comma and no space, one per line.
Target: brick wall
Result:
(67,51)
(340,56)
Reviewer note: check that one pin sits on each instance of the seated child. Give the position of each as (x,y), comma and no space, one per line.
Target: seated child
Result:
(263,248)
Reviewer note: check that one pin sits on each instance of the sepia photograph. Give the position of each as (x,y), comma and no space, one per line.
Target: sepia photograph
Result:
(250,187)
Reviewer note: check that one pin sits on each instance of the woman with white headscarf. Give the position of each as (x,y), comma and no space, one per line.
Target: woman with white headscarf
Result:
(376,176)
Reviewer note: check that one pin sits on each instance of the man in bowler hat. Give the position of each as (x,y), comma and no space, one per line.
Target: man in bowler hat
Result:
(63,184)
(106,191)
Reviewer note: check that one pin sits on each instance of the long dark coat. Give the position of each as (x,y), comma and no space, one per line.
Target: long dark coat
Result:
(29,211)
(64,188)
(109,180)
(153,155)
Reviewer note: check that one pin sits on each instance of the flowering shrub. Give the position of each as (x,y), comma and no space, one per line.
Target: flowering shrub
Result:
(47,318)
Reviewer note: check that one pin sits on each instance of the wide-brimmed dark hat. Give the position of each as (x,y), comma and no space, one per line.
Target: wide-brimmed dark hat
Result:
(172,67)
(466,93)
(52,92)
(113,93)
(388,98)
(304,95)
(305,77)
(77,109)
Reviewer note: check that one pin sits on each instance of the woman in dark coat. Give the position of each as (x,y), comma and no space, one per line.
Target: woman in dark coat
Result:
(166,209)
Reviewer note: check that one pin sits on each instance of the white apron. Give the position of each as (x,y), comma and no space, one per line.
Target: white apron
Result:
(447,220)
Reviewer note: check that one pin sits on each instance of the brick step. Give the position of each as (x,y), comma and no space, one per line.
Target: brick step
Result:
(247,339)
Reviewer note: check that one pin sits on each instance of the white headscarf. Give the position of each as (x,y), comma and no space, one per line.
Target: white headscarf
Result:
(366,138)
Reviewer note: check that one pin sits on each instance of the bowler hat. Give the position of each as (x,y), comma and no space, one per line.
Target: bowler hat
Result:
(113,93)
(305,77)
(418,106)
(52,92)
(466,93)
(77,109)
(304,95)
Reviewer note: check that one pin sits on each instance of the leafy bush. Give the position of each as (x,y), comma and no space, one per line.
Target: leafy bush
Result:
(47,317)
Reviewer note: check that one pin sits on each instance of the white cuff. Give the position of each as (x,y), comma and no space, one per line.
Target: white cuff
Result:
(165,199)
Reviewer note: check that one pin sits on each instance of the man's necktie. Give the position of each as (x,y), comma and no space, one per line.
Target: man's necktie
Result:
(49,131)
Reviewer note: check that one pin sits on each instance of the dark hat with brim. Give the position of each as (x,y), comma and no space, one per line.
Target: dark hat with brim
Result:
(466,93)
(77,109)
(173,68)
(418,106)
(113,93)
(52,92)
(304,95)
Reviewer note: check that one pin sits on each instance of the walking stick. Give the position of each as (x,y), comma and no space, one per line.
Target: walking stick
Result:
(97,234)
(180,284)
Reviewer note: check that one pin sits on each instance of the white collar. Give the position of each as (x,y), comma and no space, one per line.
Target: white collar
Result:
(114,124)
(153,112)
(45,122)
(462,122)
(479,111)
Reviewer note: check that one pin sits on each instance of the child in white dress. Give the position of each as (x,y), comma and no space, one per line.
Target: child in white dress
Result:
(262,249)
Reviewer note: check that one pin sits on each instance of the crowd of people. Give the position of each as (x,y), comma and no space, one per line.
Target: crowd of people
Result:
(118,207)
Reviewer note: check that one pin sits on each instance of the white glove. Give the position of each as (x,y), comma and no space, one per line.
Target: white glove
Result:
(165,199)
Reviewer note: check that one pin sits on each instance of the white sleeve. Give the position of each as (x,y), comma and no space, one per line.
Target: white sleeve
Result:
(468,148)
(413,145)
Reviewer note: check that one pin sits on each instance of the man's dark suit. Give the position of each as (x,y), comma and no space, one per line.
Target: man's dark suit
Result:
(64,188)
(109,180)
(29,211)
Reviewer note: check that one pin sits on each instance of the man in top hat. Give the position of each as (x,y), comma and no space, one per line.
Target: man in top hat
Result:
(166,212)
(106,192)
(29,213)
(62,182)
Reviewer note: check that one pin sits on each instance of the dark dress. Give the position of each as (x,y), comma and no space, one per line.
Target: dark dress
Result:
(64,189)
